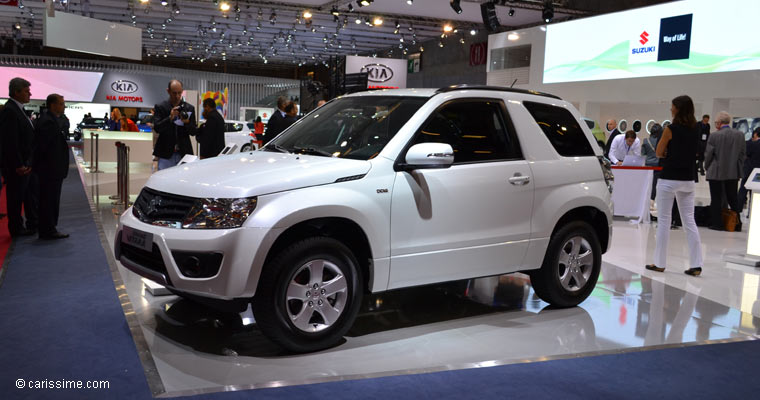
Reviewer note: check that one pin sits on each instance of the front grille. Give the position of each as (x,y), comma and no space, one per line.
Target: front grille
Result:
(154,207)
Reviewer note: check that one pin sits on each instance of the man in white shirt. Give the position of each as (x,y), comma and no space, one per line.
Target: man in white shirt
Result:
(623,146)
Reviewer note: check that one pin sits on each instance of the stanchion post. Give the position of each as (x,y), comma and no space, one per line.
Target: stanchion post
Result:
(94,168)
(125,178)
(119,165)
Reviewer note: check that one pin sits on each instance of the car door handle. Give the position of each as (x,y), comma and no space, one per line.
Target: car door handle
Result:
(519,180)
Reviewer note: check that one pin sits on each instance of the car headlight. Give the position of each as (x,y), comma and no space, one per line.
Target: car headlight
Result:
(219,213)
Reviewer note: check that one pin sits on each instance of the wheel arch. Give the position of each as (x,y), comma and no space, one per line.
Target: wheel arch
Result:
(591,215)
(342,229)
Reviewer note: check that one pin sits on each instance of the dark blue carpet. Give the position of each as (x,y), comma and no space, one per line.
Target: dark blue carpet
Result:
(60,318)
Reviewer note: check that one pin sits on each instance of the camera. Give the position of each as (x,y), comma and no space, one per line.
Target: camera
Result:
(183,109)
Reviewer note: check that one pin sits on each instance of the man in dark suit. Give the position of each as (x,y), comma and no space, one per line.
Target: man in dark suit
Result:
(612,128)
(174,121)
(17,137)
(704,133)
(51,165)
(724,162)
(276,122)
(211,134)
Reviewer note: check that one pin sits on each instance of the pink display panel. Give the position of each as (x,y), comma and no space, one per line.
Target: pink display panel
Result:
(72,85)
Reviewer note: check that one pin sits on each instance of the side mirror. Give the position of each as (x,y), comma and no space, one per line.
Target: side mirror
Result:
(429,156)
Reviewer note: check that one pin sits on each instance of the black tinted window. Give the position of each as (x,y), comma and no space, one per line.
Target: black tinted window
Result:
(476,130)
(561,128)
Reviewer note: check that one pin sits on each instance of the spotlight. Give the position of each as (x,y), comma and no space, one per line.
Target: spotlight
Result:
(335,11)
(473,32)
(164,2)
(448,28)
(224,6)
(307,14)
(144,1)
(364,3)
(17,26)
(398,25)
(377,21)
(548,12)
(410,2)
(456,6)
(358,21)
(511,12)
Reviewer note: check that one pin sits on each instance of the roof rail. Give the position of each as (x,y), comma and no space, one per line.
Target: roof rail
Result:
(494,88)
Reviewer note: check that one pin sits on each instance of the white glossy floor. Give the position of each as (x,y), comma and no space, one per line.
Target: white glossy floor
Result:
(478,323)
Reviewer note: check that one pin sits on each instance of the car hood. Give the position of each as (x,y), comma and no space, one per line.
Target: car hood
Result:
(253,174)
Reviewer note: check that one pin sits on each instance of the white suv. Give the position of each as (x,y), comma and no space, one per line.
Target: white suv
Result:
(377,191)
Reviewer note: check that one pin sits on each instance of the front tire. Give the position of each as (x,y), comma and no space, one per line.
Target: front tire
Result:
(308,295)
(246,148)
(571,266)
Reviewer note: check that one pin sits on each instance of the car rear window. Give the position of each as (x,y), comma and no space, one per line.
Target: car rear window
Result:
(561,128)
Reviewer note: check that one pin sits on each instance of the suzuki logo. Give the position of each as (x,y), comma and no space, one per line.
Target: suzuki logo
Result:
(377,72)
(124,86)
(644,38)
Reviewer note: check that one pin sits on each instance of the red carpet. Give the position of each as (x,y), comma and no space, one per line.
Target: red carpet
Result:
(5,237)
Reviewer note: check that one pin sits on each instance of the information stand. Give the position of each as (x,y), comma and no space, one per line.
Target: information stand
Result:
(752,256)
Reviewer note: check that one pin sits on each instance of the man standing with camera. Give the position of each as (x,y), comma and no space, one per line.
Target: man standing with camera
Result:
(174,123)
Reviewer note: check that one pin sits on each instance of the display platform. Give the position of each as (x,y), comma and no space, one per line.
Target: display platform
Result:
(453,326)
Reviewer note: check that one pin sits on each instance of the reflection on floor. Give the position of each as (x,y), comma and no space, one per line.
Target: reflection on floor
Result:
(482,322)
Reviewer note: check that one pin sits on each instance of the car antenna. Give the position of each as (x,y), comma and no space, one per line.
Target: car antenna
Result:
(513,83)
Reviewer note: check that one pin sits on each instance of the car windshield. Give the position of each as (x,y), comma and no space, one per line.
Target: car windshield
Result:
(351,127)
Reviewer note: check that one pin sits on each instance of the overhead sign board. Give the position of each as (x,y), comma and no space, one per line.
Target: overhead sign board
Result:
(676,38)
(381,73)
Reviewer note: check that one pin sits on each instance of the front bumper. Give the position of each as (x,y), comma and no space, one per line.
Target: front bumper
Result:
(243,253)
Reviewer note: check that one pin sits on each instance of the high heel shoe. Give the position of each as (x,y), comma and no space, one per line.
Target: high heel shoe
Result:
(693,271)
(653,267)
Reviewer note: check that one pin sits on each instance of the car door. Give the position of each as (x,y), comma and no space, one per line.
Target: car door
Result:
(471,219)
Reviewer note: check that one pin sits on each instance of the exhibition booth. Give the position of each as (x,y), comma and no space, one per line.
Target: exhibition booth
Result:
(166,342)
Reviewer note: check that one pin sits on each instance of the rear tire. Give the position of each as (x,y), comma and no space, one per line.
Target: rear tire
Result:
(308,295)
(246,148)
(571,266)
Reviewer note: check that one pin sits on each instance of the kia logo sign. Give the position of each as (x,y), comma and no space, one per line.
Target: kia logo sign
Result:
(377,72)
(124,86)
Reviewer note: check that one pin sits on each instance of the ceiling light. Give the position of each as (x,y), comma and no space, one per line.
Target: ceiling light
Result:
(224,6)
(410,2)
(335,11)
(448,28)
(440,43)
(358,21)
(455,6)
(17,26)
(398,25)
(422,49)
(237,8)
(377,21)
(144,1)
(473,32)
(513,36)
(307,14)
(164,2)
(364,3)
(350,7)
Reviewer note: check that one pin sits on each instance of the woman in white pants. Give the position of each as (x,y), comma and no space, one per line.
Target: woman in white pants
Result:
(678,150)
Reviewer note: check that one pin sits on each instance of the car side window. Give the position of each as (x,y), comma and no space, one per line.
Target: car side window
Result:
(475,129)
(561,128)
